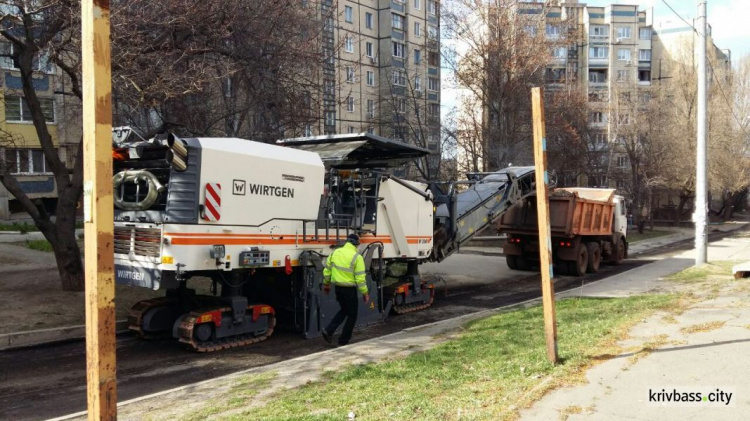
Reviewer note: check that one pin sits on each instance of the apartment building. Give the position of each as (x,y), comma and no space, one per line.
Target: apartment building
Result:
(382,70)
(19,144)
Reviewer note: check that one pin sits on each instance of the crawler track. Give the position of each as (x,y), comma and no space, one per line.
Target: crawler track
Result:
(139,309)
(412,307)
(187,337)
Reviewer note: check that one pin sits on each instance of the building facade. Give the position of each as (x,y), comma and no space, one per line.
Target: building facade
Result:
(382,70)
(19,143)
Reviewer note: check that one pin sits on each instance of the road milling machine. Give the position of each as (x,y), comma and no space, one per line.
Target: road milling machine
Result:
(259,220)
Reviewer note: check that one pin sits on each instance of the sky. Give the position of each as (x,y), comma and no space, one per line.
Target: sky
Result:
(728,19)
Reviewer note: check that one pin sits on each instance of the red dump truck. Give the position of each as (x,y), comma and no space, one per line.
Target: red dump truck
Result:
(588,226)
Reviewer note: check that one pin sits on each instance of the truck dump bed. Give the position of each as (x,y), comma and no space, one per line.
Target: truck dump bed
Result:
(573,211)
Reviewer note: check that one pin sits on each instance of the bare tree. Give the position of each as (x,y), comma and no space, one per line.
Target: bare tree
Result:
(226,68)
(47,30)
(500,55)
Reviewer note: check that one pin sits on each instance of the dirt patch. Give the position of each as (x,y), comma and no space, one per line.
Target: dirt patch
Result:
(34,300)
(5,260)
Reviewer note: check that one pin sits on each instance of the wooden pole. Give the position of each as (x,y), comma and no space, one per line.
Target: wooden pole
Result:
(98,211)
(545,237)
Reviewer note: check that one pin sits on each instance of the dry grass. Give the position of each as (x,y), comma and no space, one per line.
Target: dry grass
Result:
(702,327)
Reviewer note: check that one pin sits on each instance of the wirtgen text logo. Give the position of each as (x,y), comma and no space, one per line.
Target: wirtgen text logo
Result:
(682,396)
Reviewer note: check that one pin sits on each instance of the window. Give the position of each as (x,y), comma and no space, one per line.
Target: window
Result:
(433,58)
(432,32)
(370,108)
(368,20)
(40,61)
(398,49)
(26,161)
(598,76)
(417,4)
(622,161)
(350,74)
(368,49)
(417,29)
(644,55)
(623,119)
(644,76)
(644,33)
(417,83)
(329,24)
(432,7)
(350,104)
(433,84)
(417,57)
(330,118)
(598,52)
(600,138)
(349,44)
(552,31)
(397,21)
(598,30)
(623,32)
(351,129)
(307,130)
(399,78)
(560,52)
(16,109)
(371,130)
(623,75)
(623,54)
(554,75)
(530,30)
(348,12)
(433,109)
(370,78)
(596,117)
(401,105)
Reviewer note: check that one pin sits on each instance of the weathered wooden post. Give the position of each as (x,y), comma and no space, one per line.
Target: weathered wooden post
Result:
(545,237)
(98,211)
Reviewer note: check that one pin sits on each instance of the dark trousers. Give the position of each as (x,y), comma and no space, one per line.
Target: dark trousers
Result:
(347,299)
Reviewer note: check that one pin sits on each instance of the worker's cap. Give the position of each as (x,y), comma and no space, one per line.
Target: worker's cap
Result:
(353,238)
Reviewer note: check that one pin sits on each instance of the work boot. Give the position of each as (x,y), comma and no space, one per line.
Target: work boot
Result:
(327,336)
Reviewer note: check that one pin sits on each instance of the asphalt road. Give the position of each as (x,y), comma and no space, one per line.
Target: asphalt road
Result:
(49,381)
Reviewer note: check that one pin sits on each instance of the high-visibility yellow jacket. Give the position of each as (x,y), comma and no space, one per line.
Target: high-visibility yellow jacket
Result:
(346,267)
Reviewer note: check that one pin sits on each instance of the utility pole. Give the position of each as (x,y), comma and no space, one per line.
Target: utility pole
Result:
(542,210)
(701,201)
(98,211)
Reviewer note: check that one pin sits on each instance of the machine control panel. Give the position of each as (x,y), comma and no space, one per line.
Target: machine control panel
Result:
(254,258)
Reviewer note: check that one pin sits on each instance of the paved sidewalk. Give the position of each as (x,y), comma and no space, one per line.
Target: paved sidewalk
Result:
(698,351)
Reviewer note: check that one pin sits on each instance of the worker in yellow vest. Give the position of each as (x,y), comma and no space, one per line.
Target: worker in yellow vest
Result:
(345,268)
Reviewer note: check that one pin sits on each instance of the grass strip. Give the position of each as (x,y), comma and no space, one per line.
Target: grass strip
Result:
(40,245)
(495,367)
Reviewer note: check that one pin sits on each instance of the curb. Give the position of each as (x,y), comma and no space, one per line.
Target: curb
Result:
(30,338)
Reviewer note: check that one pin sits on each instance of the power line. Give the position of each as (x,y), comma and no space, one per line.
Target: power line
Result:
(681,18)
(713,72)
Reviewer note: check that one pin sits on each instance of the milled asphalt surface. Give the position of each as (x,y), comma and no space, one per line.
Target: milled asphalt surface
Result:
(408,340)
(298,371)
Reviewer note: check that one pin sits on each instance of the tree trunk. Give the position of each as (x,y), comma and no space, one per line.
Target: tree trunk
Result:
(70,266)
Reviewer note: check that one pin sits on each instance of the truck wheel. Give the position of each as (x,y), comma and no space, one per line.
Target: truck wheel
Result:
(512,261)
(523,262)
(619,253)
(578,267)
(595,257)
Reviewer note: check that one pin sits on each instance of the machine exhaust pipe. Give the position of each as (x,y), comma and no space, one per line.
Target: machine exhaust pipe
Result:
(178,153)
(176,161)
